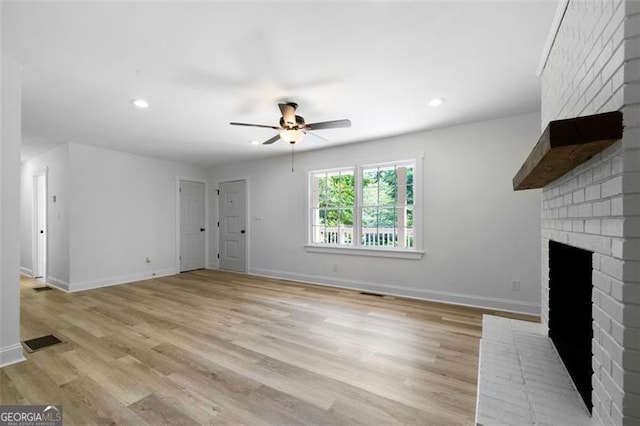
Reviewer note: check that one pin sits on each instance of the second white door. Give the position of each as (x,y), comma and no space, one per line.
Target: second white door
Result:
(232,205)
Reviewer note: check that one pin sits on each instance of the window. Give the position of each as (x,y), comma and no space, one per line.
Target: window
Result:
(364,207)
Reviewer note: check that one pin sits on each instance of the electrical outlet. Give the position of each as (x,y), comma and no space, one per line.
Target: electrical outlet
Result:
(515,285)
(148,260)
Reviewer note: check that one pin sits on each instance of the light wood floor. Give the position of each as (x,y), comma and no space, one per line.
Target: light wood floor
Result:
(211,347)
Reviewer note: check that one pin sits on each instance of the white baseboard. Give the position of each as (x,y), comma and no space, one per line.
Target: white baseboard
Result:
(124,279)
(58,283)
(11,355)
(409,292)
(26,271)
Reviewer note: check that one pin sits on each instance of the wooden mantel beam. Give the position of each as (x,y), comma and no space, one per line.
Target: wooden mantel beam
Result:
(565,144)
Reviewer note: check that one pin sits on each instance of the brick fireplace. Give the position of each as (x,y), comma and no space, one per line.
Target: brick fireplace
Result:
(593,66)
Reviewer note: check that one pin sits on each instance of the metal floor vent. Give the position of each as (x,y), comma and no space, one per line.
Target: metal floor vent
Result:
(366,293)
(43,288)
(41,342)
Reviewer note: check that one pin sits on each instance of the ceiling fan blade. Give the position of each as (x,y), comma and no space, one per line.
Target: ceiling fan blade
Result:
(288,111)
(328,125)
(272,140)
(233,123)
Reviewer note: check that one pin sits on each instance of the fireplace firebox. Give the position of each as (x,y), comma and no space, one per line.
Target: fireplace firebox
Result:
(570,312)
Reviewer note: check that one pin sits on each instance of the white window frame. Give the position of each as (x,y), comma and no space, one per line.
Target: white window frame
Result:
(416,252)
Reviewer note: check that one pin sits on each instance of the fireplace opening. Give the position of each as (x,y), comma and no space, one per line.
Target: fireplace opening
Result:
(570,318)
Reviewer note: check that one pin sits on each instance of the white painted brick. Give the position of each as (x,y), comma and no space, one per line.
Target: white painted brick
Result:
(617,290)
(585,210)
(617,248)
(583,180)
(592,226)
(612,389)
(631,137)
(632,71)
(632,226)
(562,212)
(567,199)
(593,192)
(632,26)
(611,267)
(617,165)
(631,182)
(632,159)
(613,227)
(631,203)
(617,206)
(617,332)
(576,225)
(631,271)
(631,404)
(601,281)
(578,196)
(613,309)
(631,114)
(631,315)
(631,360)
(602,208)
(631,337)
(631,248)
(612,187)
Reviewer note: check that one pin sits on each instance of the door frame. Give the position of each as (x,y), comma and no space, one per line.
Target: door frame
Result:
(34,225)
(247,186)
(178,179)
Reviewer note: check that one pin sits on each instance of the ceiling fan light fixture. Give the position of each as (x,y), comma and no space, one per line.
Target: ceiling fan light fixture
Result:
(436,102)
(140,103)
(291,135)
(254,142)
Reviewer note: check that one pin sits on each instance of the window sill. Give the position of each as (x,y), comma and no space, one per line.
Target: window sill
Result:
(366,251)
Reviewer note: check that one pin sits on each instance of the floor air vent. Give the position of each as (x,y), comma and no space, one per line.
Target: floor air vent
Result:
(41,342)
(366,293)
(43,288)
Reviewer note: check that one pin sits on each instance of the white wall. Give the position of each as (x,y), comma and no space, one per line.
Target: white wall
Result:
(113,210)
(56,163)
(122,210)
(10,125)
(479,234)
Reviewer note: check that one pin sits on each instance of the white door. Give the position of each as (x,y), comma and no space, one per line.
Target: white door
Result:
(232,205)
(40,223)
(192,226)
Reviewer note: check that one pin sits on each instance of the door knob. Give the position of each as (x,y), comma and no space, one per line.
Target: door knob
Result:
(42,231)
(201,229)
(243,231)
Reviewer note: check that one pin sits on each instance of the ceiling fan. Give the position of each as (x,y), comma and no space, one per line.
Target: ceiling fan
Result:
(292,127)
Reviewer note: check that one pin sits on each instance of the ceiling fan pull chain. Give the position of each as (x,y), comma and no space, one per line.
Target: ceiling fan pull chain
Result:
(292,157)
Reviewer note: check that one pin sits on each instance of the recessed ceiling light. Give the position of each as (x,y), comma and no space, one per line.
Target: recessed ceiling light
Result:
(254,143)
(140,103)
(436,102)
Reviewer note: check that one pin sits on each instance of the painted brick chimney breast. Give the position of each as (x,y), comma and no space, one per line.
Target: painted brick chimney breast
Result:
(593,66)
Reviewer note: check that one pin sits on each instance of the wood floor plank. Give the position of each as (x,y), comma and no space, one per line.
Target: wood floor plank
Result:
(213,347)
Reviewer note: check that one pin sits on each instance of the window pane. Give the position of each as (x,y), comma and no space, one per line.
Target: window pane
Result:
(317,234)
(346,189)
(315,217)
(387,218)
(370,187)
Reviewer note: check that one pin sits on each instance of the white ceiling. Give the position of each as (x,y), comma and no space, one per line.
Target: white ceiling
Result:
(203,64)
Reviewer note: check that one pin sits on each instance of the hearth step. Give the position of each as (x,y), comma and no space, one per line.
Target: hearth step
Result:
(521,379)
